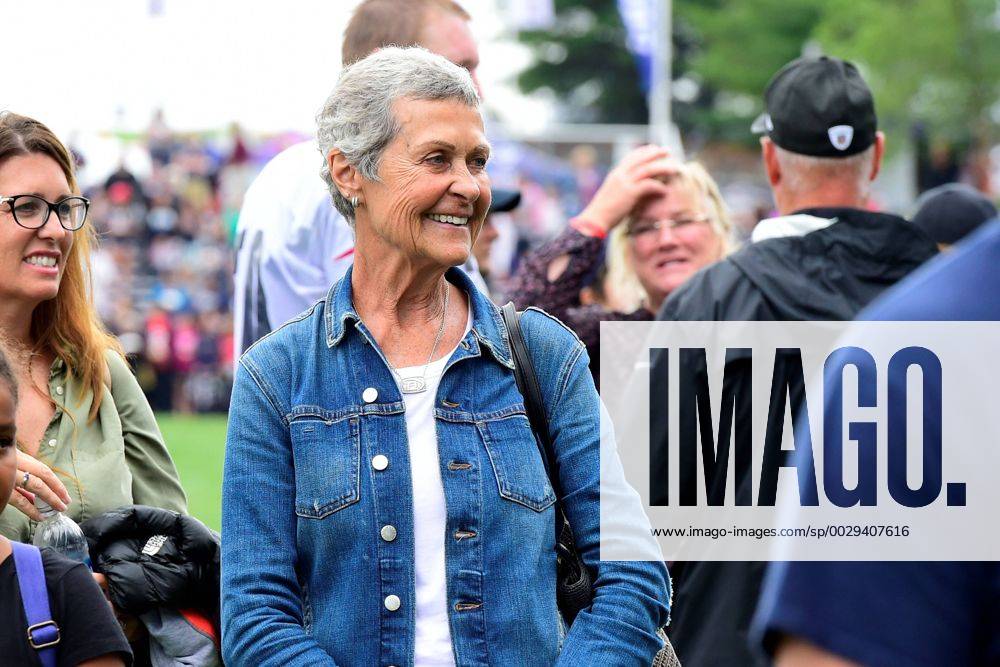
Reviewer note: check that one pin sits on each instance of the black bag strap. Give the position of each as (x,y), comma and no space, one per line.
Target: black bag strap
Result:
(574,587)
(574,581)
(527,383)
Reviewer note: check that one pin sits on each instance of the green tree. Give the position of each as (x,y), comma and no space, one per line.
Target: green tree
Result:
(727,48)
(741,44)
(734,47)
(935,61)
(584,60)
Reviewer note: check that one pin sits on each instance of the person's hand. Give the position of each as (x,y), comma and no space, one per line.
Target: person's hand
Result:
(42,482)
(640,174)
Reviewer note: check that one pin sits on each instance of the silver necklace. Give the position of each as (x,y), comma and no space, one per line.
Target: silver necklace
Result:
(418,383)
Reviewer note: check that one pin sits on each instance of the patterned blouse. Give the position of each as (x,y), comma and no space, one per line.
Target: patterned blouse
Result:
(530,286)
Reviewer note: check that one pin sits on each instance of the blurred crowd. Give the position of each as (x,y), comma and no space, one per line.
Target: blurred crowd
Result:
(163,272)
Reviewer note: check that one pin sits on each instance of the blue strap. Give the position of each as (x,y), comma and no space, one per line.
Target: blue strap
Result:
(43,633)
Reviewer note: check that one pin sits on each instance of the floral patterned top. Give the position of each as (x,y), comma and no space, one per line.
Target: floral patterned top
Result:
(530,286)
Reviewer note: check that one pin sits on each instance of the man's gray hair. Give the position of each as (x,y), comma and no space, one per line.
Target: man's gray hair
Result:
(804,173)
(357,118)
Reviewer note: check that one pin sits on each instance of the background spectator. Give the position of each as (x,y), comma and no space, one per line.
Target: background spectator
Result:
(950,212)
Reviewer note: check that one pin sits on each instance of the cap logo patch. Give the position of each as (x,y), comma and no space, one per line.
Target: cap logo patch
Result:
(841,136)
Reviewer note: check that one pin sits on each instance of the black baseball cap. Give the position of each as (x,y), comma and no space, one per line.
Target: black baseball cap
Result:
(504,200)
(950,212)
(820,107)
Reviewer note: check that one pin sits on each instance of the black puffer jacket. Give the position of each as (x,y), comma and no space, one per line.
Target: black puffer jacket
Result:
(828,274)
(155,558)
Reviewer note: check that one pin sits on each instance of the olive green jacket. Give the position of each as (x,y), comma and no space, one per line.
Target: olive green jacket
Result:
(117,459)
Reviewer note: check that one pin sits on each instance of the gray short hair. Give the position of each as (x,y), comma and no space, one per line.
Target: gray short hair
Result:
(357,118)
(807,172)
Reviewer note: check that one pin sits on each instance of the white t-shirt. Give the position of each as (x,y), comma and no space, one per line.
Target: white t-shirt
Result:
(293,245)
(432,633)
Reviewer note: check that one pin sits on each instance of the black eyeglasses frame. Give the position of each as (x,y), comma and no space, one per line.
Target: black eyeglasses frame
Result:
(12,202)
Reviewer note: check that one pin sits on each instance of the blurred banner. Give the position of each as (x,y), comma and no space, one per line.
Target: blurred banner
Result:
(530,14)
(639,17)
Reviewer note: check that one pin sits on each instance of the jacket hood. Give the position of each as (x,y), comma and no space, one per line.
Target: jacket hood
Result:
(828,274)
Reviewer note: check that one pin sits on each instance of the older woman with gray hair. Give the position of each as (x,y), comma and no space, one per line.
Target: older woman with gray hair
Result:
(384,498)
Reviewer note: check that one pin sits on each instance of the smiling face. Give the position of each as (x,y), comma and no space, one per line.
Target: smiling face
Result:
(434,192)
(665,258)
(32,261)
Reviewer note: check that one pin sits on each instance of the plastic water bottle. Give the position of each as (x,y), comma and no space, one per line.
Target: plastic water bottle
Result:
(60,533)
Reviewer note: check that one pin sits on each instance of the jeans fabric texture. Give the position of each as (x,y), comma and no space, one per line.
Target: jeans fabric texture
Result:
(307,577)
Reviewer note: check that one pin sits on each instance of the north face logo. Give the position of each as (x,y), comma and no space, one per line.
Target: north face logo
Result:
(841,136)
(154,544)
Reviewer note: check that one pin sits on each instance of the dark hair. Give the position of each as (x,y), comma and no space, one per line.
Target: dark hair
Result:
(377,24)
(7,376)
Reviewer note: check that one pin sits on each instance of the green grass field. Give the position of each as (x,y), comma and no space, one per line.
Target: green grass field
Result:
(197,444)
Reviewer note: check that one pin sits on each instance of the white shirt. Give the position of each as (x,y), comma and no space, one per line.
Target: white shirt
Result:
(293,245)
(432,633)
(798,224)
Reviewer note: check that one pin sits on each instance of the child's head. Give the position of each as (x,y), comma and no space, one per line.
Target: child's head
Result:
(8,452)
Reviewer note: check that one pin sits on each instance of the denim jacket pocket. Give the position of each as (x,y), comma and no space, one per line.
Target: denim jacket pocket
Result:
(516,461)
(327,456)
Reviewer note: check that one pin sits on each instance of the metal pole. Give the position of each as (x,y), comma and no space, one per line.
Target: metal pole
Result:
(661,128)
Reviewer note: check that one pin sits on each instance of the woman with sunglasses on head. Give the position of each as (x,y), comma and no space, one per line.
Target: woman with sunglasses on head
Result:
(87,439)
(655,221)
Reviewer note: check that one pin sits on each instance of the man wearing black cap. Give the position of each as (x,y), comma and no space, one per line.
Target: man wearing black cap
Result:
(912,613)
(825,258)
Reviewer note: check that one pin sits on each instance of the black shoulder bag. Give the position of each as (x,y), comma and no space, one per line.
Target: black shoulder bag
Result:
(574,588)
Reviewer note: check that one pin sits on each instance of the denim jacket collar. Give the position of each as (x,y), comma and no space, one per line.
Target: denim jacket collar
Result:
(488,329)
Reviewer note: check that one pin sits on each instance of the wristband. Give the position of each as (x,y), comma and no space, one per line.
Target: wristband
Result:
(588,228)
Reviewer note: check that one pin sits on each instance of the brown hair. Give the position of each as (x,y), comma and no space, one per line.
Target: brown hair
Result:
(377,24)
(66,326)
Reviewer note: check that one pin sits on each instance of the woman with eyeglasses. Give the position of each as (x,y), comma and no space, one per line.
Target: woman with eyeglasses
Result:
(655,221)
(87,440)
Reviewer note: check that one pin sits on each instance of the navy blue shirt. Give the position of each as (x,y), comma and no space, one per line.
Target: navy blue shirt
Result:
(909,614)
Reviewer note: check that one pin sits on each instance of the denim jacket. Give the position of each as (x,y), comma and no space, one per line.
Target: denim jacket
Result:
(317,463)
